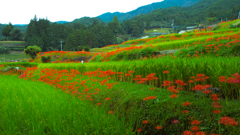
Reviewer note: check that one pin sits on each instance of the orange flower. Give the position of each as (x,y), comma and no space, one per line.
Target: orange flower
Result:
(158,127)
(200,133)
(228,121)
(195,122)
(216,111)
(150,97)
(152,88)
(139,130)
(130,71)
(174,96)
(185,111)
(110,112)
(187,104)
(166,72)
(166,83)
(127,74)
(195,128)
(207,91)
(99,103)
(145,122)
(190,81)
(187,133)
(107,98)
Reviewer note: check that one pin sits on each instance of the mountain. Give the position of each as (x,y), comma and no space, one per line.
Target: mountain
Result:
(86,20)
(107,17)
(193,14)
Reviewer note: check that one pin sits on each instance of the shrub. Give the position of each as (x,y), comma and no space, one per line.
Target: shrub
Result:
(86,48)
(79,48)
(45,59)
(32,51)
(4,50)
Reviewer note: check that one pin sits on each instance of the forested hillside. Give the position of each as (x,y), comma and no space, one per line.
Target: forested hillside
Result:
(193,14)
(107,17)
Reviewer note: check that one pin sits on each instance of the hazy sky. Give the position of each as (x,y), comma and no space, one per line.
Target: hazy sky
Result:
(22,11)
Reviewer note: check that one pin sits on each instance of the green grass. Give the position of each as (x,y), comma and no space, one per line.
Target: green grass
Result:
(28,107)
(127,99)
(12,42)
(179,68)
(13,56)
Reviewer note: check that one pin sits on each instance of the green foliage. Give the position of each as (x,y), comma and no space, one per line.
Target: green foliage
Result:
(79,48)
(46,59)
(24,64)
(107,17)
(86,48)
(32,51)
(16,34)
(7,29)
(5,50)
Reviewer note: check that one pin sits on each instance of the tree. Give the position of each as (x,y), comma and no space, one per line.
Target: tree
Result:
(32,51)
(4,50)
(7,29)
(148,25)
(16,34)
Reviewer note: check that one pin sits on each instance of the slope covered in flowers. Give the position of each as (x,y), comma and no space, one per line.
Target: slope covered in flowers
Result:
(194,91)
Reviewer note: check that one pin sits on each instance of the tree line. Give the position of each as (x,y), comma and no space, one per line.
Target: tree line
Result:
(76,36)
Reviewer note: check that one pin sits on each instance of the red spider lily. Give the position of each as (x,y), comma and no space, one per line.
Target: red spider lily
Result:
(195,128)
(166,83)
(200,75)
(180,82)
(150,97)
(175,121)
(190,81)
(145,122)
(187,104)
(216,111)
(200,133)
(110,112)
(166,72)
(195,122)
(216,105)
(228,121)
(187,133)
(158,127)
(107,98)
(138,76)
(199,87)
(207,91)
(174,96)
(171,88)
(152,88)
(185,111)
(130,71)
(151,77)
(139,130)
(192,77)
(127,74)
(214,97)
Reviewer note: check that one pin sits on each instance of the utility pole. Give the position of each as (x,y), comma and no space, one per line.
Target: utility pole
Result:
(221,19)
(239,15)
(61,45)
(226,19)
(4,56)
